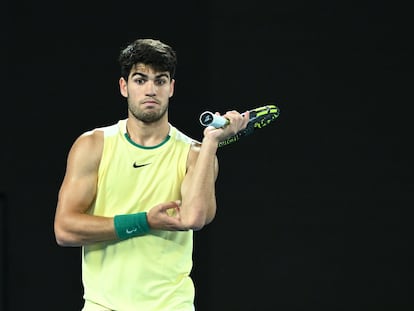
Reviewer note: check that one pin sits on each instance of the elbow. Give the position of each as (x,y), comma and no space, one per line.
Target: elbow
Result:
(197,216)
(198,223)
(195,223)
(63,238)
(197,227)
(61,242)
(65,241)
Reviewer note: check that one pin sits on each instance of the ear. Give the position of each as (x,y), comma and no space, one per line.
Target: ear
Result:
(172,84)
(123,87)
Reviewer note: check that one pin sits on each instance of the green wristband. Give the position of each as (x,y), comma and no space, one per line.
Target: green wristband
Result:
(131,225)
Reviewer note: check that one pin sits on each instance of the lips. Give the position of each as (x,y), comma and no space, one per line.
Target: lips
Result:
(150,103)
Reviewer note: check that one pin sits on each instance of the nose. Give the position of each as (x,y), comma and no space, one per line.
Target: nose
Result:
(150,88)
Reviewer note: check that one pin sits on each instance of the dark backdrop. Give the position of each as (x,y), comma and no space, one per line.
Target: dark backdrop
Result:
(314,211)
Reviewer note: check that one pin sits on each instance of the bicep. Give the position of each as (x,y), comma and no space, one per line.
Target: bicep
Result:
(78,188)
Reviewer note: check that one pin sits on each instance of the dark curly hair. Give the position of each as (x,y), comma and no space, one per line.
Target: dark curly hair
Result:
(152,52)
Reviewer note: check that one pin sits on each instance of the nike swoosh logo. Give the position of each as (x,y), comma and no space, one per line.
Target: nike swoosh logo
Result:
(140,165)
(130,231)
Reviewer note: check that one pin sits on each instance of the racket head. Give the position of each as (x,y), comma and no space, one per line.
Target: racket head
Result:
(258,118)
(263,116)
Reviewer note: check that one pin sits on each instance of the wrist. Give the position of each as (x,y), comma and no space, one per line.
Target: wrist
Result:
(210,142)
(131,225)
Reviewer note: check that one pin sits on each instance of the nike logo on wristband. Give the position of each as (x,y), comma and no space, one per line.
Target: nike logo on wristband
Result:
(139,165)
(129,231)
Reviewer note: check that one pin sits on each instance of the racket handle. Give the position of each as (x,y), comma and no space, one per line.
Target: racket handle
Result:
(208,118)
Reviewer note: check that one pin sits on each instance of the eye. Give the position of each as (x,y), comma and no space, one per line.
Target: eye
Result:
(139,81)
(160,81)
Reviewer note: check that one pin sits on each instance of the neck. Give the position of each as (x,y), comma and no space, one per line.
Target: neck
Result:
(147,134)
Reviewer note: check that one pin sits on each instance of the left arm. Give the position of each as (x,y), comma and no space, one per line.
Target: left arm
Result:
(198,203)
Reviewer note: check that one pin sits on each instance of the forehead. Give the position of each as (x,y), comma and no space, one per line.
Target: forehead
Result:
(147,70)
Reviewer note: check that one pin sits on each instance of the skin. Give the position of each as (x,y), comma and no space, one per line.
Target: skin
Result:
(147,92)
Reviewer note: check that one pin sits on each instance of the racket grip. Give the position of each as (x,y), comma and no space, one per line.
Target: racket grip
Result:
(208,118)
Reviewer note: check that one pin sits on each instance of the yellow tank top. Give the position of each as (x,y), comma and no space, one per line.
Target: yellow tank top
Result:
(150,272)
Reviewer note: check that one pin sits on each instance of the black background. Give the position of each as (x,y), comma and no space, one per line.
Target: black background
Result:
(314,211)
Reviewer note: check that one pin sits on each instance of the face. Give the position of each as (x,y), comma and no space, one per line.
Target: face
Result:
(147,93)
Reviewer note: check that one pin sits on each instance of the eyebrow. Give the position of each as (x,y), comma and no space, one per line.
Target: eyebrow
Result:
(160,75)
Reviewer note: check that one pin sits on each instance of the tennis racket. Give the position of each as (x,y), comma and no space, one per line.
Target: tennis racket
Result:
(259,118)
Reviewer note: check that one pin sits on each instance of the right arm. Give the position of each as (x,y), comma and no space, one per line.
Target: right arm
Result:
(73,226)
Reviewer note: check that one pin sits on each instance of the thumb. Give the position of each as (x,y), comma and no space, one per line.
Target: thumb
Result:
(169,205)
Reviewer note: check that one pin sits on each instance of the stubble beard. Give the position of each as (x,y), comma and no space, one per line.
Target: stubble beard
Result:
(148,115)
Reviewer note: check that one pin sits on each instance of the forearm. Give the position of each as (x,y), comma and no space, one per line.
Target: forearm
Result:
(74,229)
(198,190)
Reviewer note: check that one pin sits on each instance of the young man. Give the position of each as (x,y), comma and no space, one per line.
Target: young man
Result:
(134,192)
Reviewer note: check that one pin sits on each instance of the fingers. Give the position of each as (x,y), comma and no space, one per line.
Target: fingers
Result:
(165,216)
(169,205)
(237,120)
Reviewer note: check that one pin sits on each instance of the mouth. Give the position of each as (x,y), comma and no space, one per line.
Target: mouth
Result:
(152,100)
(150,103)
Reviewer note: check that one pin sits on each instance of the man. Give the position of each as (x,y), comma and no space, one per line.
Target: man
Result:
(134,192)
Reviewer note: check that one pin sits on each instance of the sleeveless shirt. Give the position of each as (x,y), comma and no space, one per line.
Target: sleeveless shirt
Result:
(149,272)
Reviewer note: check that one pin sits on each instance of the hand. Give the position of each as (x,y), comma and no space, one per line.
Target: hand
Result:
(237,122)
(166,216)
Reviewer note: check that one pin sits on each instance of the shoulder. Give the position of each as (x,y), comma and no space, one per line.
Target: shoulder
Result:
(90,139)
(93,140)
(192,145)
(180,136)
(87,148)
